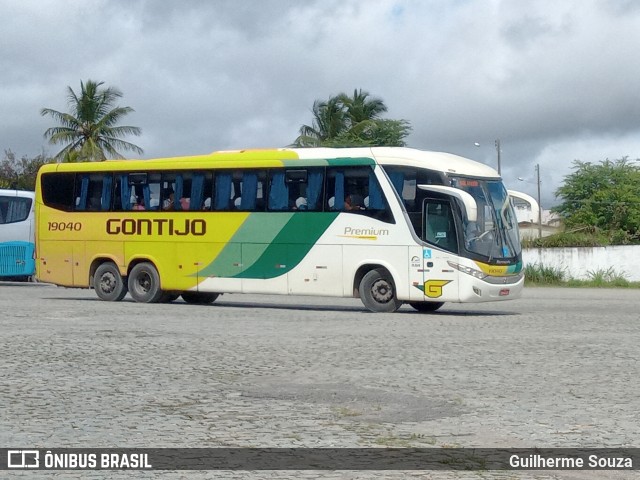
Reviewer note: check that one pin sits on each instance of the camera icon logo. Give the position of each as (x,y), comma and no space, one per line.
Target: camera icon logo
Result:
(23,459)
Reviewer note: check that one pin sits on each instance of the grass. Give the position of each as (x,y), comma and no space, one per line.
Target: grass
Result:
(539,274)
(544,276)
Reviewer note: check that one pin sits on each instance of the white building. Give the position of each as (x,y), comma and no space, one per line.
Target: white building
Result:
(528,212)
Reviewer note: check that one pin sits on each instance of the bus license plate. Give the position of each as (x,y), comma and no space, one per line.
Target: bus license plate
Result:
(504,292)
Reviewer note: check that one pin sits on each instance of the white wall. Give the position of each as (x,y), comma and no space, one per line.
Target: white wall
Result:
(578,261)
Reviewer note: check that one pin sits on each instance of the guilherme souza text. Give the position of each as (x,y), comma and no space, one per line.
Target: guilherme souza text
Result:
(592,461)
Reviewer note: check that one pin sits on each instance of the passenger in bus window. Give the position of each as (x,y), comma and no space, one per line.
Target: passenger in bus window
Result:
(354,202)
(167,204)
(139,205)
(301,203)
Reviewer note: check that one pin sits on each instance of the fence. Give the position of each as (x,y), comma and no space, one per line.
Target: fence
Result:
(577,262)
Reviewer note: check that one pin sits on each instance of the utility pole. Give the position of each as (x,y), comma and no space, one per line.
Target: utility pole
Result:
(539,204)
(498,150)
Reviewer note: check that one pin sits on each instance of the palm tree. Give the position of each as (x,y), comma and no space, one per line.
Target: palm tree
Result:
(345,121)
(328,122)
(363,113)
(360,109)
(90,131)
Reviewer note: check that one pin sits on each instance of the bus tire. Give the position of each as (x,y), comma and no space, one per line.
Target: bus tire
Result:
(144,283)
(378,292)
(201,298)
(108,283)
(425,307)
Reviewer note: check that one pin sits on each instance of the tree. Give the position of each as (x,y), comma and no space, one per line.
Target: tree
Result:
(345,121)
(360,108)
(20,174)
(90,132)
(328,122)
(605,196)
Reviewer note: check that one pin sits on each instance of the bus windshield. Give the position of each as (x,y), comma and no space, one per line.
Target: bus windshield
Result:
(495,233)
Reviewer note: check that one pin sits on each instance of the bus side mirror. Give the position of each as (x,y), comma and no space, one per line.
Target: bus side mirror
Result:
(470,205)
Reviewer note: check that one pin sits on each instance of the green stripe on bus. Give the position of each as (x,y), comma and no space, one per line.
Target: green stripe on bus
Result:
(344,162)
(268,245)
(290,246)
(255,230)
(330,162)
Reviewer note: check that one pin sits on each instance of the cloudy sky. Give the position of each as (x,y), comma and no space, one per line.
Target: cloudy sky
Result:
(553,80)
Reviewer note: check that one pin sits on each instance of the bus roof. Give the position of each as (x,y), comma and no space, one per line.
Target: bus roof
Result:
(290,157)
(17,193)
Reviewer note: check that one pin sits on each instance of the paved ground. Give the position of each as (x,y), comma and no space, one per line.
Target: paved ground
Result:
(558,368)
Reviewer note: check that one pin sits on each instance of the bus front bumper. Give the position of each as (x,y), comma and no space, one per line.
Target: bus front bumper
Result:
(490,289)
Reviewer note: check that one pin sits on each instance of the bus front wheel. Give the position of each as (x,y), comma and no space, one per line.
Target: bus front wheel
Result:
(378,292)
(108,283)
(201,298)
(144,283)
(426,306)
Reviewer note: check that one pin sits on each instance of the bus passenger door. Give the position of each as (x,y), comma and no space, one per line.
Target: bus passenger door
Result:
(440,278)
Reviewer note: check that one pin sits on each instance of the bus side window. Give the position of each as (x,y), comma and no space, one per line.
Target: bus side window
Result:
(298,189)
(335,190)
(183,191)
(278,191)
(348,187)
(172,190)
(251,186)
(93,192)
(57,190)
(14,209)
(357,190)
(207,191)
(222,191)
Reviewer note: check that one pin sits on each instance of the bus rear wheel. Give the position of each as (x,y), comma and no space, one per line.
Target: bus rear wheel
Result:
(201,298)
(426,306)
(378,292)
(144,283)
(108,283)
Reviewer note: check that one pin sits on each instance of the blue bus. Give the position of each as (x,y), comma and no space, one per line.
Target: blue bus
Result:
(17,235)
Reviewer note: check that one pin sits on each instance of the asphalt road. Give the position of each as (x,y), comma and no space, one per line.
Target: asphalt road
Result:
(557,368)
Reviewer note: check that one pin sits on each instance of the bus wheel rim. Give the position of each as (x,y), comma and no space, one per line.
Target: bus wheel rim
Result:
(144,282)
(108,282)
(382,291)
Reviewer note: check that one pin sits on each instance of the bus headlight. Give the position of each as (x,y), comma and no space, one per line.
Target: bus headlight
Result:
(468,270)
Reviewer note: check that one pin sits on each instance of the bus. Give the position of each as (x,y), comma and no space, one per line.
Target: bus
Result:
(17,236)
(388,225)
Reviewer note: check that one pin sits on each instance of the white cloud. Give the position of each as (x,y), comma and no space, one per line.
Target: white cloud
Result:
(545,77)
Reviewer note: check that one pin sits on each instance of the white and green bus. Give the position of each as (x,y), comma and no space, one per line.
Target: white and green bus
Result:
(386,225)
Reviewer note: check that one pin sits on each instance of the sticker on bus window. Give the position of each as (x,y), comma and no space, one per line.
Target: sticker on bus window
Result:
(441,234)
(426,253)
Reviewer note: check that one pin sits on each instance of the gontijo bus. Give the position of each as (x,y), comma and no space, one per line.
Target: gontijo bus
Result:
(17,235)
(387,225)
